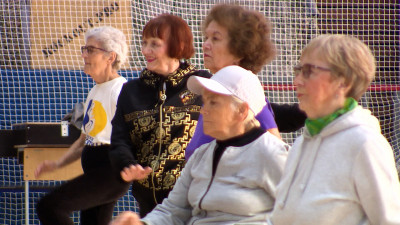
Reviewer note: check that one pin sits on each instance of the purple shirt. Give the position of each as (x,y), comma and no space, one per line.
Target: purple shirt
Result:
(265,117)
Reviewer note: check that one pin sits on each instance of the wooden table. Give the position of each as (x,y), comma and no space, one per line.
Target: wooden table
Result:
(33,156)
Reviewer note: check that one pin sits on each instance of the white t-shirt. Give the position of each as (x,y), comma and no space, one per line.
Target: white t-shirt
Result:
(100,107)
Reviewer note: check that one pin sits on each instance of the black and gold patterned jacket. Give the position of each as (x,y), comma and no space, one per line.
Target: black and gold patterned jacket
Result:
(155,119)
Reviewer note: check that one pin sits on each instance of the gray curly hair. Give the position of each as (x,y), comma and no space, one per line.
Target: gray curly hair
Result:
(112,40)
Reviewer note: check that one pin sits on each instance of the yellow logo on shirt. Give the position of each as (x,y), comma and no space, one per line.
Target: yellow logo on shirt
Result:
(95,119)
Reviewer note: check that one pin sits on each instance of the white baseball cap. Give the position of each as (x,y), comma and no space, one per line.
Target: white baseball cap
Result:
(232,80)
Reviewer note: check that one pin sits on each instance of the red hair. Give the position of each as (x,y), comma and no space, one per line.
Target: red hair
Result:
(175,32)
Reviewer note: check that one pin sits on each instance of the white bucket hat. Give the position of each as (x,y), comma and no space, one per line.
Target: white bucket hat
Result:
(232,80)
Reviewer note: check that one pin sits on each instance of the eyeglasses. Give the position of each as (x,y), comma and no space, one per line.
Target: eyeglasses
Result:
(90,49)
(306,70)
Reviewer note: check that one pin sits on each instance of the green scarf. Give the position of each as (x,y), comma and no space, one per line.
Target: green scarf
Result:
(315,126)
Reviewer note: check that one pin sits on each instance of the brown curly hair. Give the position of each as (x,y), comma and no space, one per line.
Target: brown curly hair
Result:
(249,33)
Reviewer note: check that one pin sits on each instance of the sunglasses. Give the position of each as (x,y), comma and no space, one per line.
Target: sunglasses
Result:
(90,49)
(306,70)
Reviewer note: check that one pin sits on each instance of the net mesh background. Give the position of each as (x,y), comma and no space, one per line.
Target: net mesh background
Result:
(41,77)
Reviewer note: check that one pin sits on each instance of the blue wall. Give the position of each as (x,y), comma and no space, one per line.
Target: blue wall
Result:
(42,95)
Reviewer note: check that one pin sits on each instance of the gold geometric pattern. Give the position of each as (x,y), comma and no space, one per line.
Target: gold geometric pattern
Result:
(176,131)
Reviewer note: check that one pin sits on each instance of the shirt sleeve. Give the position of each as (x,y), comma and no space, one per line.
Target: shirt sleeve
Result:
(120,151)
(266,117)
(288,117)
(377,183)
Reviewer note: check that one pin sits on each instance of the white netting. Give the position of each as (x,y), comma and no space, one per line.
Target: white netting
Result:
(40,64)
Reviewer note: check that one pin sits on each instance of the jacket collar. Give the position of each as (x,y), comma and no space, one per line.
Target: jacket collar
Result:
(174,79)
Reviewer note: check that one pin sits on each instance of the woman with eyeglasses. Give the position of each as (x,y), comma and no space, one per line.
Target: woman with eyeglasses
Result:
(156,114)
(342,169)
(96,191)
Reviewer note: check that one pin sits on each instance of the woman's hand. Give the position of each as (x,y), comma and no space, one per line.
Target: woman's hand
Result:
(135,172)
(127,218)
(45,167)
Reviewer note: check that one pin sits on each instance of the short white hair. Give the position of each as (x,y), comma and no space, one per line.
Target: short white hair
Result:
(250,119)
(112,40)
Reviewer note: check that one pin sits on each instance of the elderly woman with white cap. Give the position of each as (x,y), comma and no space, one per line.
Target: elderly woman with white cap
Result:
(233,178)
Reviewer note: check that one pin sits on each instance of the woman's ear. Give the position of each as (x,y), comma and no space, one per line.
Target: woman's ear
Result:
(243,110)
(343,87)
(112,57)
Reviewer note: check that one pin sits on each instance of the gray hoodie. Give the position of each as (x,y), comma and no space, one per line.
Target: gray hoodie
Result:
(243,187)
(346,174)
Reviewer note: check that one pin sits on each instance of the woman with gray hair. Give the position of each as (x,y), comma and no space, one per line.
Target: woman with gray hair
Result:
(113,40)
(232,179)
(97,190)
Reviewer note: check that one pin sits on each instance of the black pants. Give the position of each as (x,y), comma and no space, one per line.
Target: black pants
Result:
(94,193)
